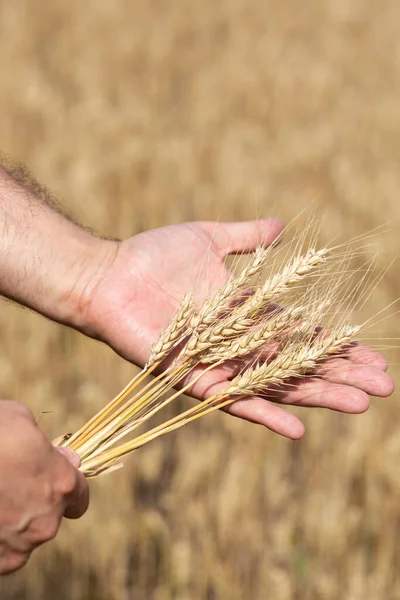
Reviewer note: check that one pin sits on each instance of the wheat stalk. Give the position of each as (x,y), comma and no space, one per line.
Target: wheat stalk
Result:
(227,326)
(296,360)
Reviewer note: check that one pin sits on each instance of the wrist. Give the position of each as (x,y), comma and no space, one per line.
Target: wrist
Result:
(90,260)
(47,262)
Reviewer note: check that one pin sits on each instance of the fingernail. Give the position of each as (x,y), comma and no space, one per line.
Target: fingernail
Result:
(70,455)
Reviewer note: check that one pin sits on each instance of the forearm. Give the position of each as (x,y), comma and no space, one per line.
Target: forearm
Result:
(46,262)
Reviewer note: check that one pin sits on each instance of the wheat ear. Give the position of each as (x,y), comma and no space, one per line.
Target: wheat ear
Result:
(222,300)
(279,322)
(281,282)
(246,315)
(174,332)
(294,360)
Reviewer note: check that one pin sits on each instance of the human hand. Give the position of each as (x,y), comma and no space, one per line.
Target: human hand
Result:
(39,485)
(139,292)
(125,294)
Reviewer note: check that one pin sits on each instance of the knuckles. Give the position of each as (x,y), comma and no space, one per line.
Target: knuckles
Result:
(37,487)
(13,562)
(14,407)
(48,530)
(21,408)
(42,529)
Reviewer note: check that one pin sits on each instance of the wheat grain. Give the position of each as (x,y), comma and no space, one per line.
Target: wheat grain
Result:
(245,315)
(295,360)
(281,282)
(174,332)
(256,338)
(216,307)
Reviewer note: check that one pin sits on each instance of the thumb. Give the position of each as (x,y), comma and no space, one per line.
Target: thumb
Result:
(243,236)
(78,499)
(70,455)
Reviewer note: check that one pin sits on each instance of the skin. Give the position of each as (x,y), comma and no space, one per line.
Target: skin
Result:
(39,485)
(124,293)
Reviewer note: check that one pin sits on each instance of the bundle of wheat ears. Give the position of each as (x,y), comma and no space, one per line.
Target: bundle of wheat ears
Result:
(274,329)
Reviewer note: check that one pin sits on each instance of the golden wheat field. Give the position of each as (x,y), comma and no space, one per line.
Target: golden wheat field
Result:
(142,114)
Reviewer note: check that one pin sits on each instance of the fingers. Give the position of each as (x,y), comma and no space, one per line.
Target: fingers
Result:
(41,529)
(244,236)
(314,392)
(202,383)
(72,485)
(258,410)
(78,499)
(369,379)
(252,409)
(360,354)
(70,455)
(339,385)
(19,409)
(12,561)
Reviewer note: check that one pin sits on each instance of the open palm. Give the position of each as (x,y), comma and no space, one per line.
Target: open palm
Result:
(141,291)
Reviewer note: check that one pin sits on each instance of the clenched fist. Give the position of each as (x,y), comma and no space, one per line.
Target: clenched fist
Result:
(39,485)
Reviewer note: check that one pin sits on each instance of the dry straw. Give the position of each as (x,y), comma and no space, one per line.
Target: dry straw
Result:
(273,332)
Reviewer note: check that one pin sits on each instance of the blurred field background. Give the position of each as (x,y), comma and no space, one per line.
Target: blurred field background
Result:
(141,114)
